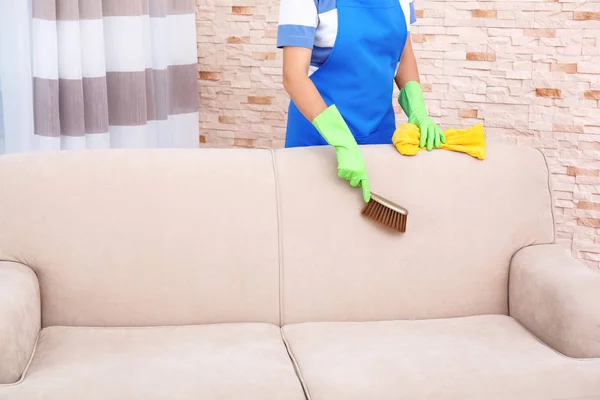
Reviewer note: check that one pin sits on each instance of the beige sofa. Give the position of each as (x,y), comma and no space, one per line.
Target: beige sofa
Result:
(167,274)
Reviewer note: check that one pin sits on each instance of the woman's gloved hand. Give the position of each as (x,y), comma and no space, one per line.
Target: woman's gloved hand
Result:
(412,102)
(351,165)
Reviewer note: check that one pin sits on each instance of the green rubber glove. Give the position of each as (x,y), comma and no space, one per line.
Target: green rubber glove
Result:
(351,165)
(412,102)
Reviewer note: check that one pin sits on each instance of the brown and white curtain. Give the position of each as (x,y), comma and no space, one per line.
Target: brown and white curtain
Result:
(114,74)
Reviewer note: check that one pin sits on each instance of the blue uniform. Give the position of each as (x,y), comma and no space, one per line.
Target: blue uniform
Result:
(356,46)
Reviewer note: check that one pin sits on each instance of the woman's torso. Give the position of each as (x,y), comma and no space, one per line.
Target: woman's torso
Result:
(327,29)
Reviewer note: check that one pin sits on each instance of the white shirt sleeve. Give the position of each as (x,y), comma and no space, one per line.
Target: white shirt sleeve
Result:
(408,6)
(298,21)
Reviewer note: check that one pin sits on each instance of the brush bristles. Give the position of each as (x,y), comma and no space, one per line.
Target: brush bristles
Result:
(385,213)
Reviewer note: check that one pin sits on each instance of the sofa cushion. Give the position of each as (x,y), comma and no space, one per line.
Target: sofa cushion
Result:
(466,220)
(217,362)
(145,237)
(483,357)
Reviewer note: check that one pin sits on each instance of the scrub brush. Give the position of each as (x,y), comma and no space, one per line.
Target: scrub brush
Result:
(386,213)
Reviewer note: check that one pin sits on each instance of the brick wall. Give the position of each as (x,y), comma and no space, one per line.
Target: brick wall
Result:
(528,70)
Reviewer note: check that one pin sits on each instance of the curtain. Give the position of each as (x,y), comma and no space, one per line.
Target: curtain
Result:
(110,74)
(2,145)
(16,99)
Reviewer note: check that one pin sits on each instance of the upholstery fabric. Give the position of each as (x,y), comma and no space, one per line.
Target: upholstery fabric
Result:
(217,362)
(488,357)
(557,298)
(163,274)
(19,319)
(145,237)
(466,220)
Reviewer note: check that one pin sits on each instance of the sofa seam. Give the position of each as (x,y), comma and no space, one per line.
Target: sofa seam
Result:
(543,343)
(510,270)
(296,366)
(35,345)
(27,366)
(279,236)
(553,217)
(555,351)
(510,267)
(550,194)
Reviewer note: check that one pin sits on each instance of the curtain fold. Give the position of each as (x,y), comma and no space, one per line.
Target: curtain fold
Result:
(2,144)
(114,74)
(16,94)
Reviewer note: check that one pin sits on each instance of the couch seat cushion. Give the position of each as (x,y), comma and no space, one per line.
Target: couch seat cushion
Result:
(483,357)
(230,361)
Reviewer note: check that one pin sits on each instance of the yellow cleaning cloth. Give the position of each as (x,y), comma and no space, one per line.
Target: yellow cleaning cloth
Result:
(470,141)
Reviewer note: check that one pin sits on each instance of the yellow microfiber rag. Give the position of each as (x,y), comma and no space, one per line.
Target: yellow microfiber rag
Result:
(470,141)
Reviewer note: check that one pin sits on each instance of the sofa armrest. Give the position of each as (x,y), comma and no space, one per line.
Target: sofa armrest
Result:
(557,298)
(20,319)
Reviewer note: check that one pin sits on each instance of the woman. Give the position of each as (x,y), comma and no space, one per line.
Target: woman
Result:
(340,61)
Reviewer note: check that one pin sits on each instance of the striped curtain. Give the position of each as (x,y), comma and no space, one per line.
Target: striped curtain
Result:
(114,74)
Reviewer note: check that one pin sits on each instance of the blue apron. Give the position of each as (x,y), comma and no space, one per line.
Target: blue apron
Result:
(358,75)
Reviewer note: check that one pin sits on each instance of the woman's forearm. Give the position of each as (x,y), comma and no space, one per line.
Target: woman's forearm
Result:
(407,68)
(305,96)
(300,88)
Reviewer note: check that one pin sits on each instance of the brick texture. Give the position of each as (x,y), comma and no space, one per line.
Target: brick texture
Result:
(208,76)
(547,92)
(567,68)
(587,15)
(592,94)
(484,13)
(528,71)
(474,56)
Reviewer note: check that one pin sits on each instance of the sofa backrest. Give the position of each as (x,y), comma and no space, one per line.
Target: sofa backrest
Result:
(466,219)
(138,238)
(167,237)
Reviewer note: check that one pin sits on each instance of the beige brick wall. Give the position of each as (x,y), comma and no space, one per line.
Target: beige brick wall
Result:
(527,70)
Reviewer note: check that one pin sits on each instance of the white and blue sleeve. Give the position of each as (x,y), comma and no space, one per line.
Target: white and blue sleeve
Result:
(410,15)
(298,21)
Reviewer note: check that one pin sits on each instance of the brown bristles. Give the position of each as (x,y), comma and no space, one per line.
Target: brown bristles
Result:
(386,213)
